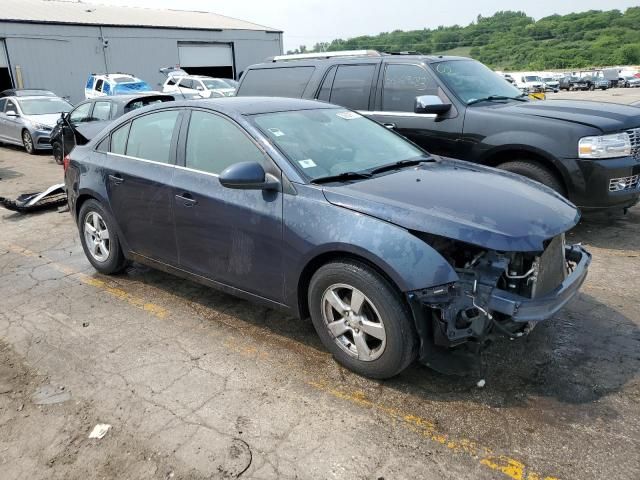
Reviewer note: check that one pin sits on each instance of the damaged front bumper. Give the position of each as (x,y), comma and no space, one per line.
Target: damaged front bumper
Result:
(521,309)
(474,308)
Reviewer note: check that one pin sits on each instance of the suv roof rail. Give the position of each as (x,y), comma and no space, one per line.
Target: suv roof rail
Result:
(321,55)
(406,52)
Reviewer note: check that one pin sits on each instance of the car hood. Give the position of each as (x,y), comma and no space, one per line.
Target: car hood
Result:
(49,119)
(608,117)
(473,204)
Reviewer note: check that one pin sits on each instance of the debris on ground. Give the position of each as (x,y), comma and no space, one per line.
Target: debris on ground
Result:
(481,383)
(52,197)
(49,395)
(100,430)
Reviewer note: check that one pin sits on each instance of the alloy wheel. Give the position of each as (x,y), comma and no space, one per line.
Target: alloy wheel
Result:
(27,141)
(353,322)
(96,235)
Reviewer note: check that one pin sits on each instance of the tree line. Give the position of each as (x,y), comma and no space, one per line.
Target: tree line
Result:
(511,40)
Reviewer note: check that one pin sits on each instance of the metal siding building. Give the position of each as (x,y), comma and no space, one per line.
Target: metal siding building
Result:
(57,44)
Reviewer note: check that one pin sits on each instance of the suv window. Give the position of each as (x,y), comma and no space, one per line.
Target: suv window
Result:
(214,143)
(80,114)
(98,86)
(101,111)
(150,136)
(325,90)
(402,84)
(277,82)
(352,86)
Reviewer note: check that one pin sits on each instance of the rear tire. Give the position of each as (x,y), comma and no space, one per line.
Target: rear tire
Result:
(99,239)
(372,330)
(535,172)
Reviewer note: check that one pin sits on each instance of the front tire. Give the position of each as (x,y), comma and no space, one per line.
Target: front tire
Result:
(27,142)
(361,319)
(99,239)
(535,172)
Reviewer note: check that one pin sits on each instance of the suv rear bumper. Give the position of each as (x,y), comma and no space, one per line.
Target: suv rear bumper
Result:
(589,182)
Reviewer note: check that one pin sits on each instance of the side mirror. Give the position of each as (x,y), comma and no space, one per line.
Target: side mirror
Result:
(11,113)
(431,104)
(248,176)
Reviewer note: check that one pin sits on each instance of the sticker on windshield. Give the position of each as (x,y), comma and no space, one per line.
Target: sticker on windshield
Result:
(276,132)
(308,163)
(348,115)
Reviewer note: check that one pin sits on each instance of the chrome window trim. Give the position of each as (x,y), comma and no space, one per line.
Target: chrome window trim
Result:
(397,114)
(188,169)
(138,158)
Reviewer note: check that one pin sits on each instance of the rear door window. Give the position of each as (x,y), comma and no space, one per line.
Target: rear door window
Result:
(98,86)
(352,86)
(276,82)
(186,83)
(10,107)
(402,84)
(150,136)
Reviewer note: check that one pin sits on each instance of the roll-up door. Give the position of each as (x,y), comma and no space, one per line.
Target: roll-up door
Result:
(211,59)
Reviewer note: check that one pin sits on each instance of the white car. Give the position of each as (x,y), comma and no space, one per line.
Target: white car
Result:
(179,81)
(528,82)
(102,85)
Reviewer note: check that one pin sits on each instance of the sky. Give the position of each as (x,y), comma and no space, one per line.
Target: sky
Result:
(306,22)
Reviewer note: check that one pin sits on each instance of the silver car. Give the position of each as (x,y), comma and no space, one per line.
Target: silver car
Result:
(28,121)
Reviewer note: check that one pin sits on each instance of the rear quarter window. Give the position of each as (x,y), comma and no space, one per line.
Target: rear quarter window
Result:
(276,82)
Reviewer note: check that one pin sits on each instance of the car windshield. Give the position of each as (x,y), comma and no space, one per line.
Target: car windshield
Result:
(124,79)
(530,78)
(43,106)
(471,80)
(214,83)
(547,79)
(328,142)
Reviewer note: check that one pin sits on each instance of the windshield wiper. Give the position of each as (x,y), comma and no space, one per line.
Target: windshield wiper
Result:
(400,164)
(342,177)
(491,98)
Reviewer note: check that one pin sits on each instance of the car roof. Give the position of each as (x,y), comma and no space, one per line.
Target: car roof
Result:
(249,105)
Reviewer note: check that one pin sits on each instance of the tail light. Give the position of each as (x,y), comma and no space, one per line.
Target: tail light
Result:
(65,162)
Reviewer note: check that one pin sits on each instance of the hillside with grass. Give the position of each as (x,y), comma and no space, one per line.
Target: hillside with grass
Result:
(514,41)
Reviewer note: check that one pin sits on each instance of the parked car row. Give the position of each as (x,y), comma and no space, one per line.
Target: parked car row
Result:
(312,182)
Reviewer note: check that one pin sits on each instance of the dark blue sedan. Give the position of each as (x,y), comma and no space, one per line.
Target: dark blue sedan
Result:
(316,210)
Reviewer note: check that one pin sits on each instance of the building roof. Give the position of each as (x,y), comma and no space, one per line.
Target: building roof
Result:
(75,12)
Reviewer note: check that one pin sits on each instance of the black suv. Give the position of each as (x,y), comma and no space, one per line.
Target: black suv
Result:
(457,107)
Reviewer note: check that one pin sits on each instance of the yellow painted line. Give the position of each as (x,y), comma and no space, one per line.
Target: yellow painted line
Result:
(509,467)
(117,292)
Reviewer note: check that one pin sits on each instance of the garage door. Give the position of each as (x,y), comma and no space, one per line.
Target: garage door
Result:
(213,59)
(5,74)
(3,55)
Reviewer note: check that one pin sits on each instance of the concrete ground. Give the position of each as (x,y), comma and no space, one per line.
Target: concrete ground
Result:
(197,384)
(615,95)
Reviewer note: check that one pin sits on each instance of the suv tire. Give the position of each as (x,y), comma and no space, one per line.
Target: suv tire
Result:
(373,333)
(99,239)
(535,172)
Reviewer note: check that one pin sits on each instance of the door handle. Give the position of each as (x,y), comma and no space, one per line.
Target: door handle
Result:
(390,126)
(116,179)
(187,199)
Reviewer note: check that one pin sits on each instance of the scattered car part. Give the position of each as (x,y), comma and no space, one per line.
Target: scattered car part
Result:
(52,197)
